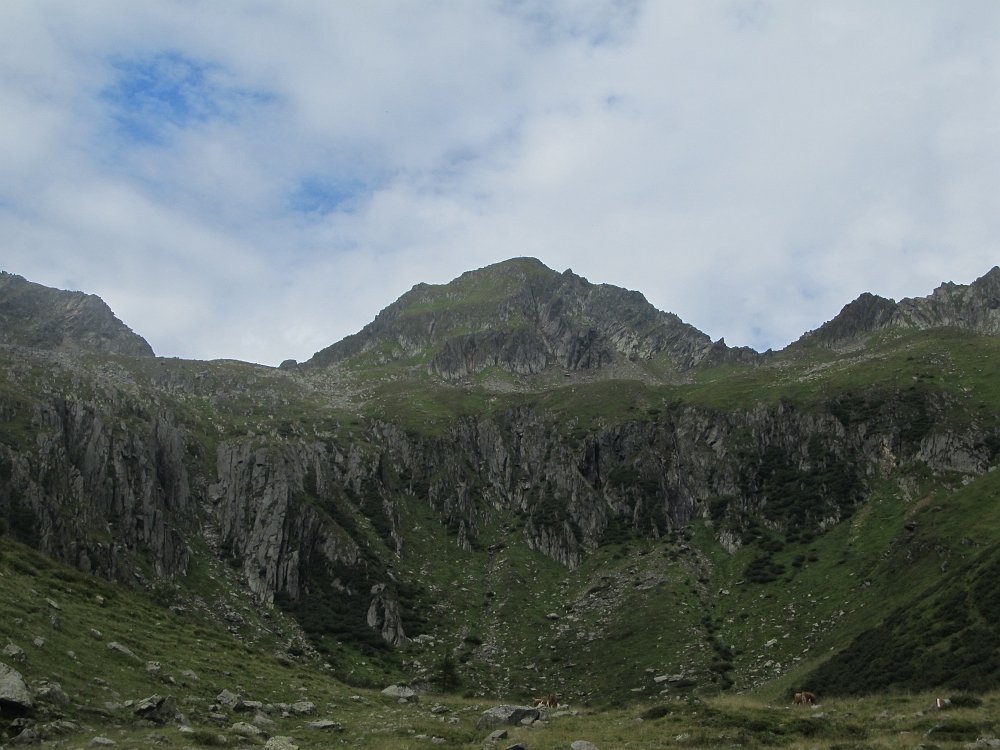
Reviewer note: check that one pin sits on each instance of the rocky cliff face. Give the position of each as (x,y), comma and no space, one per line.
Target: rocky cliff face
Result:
(95,493)
(523,317)
(795,471)
(39,317)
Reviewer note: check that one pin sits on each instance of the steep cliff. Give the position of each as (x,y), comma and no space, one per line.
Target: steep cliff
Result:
(98,493)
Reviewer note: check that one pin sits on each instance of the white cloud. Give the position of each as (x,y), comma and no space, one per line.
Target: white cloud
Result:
(750,165)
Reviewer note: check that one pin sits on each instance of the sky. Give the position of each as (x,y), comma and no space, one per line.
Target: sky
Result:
(256,180)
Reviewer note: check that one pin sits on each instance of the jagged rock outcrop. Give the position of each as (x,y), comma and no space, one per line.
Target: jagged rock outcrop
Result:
(523,317)
(971,307)
(37,316)
(384,616)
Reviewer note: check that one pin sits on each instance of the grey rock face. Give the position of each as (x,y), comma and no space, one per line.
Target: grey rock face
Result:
(129,480)
(39,317)
(262,511)
(384,616)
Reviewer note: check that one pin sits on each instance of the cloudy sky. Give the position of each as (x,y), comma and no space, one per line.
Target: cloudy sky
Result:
(256,180)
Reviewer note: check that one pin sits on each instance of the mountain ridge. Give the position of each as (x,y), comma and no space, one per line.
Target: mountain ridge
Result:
(974,306)
(543,534)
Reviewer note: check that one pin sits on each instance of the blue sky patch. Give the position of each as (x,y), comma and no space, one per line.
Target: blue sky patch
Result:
(154,95)
(320,195)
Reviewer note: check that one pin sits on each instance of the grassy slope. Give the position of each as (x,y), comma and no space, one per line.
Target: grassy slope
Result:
(100,682)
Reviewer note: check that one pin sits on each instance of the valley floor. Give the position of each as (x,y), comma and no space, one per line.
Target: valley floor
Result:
(369,720)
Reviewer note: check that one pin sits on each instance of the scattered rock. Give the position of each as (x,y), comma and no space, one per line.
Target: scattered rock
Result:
(57,727)
(100,741)
(440,710)
(27,736)
(14,652)
(280,743)
(507,716)
(124,650)
(303,708)
(156,708)
(325,724)
(497,735)
(189,674)
(49,692)
(517,746)
(13,690)
(583,745)
(250,731)
(38,641)
(262,721)
(229,699)
(403,693)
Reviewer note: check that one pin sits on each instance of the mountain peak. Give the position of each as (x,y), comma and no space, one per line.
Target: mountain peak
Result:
(40,317)
(523,317)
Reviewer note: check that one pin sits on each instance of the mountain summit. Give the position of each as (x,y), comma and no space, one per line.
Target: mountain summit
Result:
(523,317)
(43,318)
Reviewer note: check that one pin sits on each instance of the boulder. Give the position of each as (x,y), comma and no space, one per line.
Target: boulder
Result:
(401,693)
(303,708)
(244,729)
(13,690)
(583,745)
(124,650)
(325,724)
(507,716)
(229,699)
(155,708)
(280,743)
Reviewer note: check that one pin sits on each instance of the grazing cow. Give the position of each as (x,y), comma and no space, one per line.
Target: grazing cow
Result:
(549,701)
(804,697)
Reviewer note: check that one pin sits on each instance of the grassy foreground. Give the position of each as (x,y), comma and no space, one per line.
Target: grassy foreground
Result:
(65,623)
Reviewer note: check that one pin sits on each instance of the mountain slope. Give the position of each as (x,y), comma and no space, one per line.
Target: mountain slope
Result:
(731,528)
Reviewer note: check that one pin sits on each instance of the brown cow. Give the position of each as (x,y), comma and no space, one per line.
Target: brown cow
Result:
(804,697)
(549,701)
